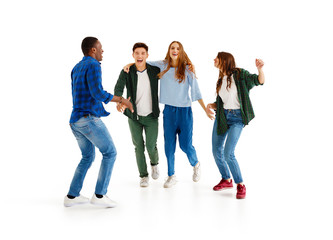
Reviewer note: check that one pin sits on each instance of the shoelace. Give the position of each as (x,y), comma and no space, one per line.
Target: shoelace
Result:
(240,188)
(144,180)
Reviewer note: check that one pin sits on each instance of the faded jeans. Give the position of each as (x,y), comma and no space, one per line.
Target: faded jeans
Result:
(224,146)
(90,132)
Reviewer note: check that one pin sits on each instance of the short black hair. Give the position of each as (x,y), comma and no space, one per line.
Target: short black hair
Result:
(140,45)
(87,44)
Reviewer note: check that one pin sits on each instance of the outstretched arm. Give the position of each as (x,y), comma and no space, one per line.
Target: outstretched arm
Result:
(124,102)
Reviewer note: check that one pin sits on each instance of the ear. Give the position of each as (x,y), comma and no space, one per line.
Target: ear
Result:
(133,55)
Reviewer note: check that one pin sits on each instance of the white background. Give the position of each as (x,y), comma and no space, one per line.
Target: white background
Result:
(285,153)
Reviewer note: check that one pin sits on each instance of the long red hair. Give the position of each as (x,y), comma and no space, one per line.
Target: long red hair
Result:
(226,66)
(183,60)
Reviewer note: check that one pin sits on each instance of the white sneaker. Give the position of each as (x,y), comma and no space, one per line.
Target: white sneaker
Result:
(75,201)
(105,201)
(144,182)
(196,172)
(170,181)
(155,172)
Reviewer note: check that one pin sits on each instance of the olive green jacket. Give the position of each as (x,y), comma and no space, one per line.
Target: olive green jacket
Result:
(130,80)
(244,82)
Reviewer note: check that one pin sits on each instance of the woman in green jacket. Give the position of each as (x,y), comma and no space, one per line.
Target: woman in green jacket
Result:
(233,110)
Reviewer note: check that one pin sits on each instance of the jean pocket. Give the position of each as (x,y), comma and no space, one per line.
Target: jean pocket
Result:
(84,130)
(98,123)
(237,114)
(82,127)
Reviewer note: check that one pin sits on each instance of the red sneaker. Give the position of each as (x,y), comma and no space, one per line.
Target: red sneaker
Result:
(241,191)
(223,184)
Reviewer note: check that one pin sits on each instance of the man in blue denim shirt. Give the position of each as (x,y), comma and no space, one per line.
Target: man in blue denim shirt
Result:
(88,128)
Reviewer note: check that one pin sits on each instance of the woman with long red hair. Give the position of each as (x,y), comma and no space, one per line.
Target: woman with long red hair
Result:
(175,82)
(233,111)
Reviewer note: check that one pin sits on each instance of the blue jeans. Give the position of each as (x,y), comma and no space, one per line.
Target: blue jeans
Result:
(178,121)
(224,155)
(89,132)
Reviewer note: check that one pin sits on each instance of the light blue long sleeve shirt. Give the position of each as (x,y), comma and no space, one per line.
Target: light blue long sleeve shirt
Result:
(174,93)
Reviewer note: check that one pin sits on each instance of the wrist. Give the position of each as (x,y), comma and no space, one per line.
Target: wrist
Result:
(121,99)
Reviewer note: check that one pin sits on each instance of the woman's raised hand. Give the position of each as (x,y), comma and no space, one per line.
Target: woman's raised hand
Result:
(259,63)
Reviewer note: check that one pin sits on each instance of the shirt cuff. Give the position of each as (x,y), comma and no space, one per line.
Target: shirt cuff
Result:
(196,98)
(109,98)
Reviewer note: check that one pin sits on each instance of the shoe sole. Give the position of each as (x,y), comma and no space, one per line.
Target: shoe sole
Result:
(196,180)
(73,204)
(103,205)
(169,185)
(225,188)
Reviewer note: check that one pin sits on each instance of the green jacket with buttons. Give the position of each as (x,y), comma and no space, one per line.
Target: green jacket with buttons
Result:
(130,80)
(244,82)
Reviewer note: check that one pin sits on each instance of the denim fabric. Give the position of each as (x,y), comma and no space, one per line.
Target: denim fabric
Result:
(178,121)
(89,132)
(224,145)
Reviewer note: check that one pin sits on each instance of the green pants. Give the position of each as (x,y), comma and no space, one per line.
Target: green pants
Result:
(150,126)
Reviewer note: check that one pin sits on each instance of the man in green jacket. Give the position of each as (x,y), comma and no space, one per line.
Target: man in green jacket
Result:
(142,88)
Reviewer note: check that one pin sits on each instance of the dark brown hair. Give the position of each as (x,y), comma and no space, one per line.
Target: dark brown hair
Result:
(140,45)
(226,66)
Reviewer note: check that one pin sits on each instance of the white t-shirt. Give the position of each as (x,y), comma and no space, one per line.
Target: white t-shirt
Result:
(229,96)
(144,104)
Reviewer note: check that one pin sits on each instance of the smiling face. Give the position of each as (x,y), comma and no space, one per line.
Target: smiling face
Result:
(140,56)
(174,51)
